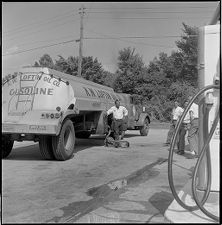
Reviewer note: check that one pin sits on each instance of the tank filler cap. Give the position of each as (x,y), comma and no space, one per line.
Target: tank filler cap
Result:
(58,108)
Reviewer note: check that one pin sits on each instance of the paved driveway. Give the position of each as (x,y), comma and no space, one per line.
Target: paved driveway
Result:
(99,184)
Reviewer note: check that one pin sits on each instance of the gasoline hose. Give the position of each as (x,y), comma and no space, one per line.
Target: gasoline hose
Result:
(204,149)
(170,159)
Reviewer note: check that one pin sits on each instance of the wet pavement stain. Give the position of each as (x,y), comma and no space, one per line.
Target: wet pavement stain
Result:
(76,210)
(106,193)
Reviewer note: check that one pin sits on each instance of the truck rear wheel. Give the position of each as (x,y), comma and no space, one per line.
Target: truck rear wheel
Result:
(83,134)
(7,145)
(63,144)
(45,147)
(144,130)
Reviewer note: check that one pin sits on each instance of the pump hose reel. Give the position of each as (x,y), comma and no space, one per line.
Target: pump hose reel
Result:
(203,150)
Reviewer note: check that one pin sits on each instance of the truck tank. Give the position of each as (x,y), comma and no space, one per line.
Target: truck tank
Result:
(52,107)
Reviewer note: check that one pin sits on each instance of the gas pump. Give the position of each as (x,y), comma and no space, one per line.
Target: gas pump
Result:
(205,179)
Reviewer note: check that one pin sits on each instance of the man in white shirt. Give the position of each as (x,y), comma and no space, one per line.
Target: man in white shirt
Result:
(193,131)
(176,112)
(182,131)
(119,114)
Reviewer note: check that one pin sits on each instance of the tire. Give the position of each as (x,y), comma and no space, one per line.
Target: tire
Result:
(63,144)
(144,130)
(45,147)
(83,134)
(7,145)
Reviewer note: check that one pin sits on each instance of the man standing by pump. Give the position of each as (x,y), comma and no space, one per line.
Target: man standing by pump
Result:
(176,113)
(193,130)
(182,131)
(119,116)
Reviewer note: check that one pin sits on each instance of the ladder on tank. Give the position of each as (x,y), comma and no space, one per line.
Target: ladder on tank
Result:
(24,101)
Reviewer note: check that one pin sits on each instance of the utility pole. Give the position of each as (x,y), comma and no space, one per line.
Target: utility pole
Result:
(81,12)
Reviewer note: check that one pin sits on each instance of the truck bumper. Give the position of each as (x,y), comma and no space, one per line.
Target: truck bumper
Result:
(10,128)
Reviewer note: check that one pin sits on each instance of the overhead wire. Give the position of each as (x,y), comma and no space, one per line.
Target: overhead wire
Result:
(148,12)
(104,37)
(136,8)
(65,14)
(90,8)
(37,31)
(69,41)
(30,30)
(42,22)
(117,38)
(87,19)
(150,18)
(40,41)
(138,37)
(40,47)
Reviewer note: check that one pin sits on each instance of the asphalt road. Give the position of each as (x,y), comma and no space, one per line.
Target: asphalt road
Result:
(99,184)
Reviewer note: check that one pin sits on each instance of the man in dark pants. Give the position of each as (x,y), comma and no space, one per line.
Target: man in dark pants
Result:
(194,127)
(176,112)
(119,114)
(182,132)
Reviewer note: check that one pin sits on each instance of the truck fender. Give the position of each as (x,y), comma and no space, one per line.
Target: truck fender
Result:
(71,110)
(142,118)
(71,103)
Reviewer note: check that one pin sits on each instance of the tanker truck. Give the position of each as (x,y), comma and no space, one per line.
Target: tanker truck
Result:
(54,108)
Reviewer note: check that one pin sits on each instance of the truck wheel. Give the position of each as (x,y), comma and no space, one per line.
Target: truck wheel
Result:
(45,147)
(63,144)
(145,128)
(7,145)
(83,134)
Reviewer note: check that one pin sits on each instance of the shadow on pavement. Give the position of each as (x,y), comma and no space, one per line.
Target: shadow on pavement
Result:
(161,200)
(32,152)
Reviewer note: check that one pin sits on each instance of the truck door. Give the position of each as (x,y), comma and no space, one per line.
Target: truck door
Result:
(131,111)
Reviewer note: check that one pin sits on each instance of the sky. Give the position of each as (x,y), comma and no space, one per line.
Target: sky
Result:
(32,29)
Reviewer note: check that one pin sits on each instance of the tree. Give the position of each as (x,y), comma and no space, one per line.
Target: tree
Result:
(69,66)
(130,72)
(165,79)
(187,54)
(109,78)
(91,68)
(46,61)
(36,64)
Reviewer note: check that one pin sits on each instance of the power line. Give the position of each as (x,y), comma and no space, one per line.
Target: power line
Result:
(135,37)
(116,38)
(150,18)
(142,43)
(40,41)
(40,47)
(189,7)
(25,30)
(106,37)
(41,21)
(37,31)
(65,42)
(150,12)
